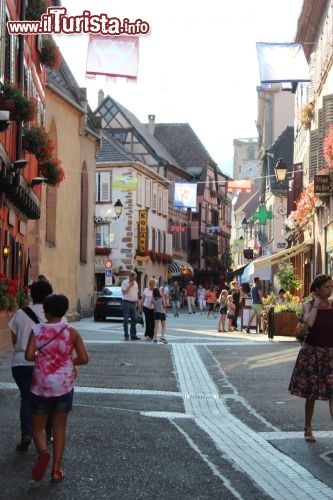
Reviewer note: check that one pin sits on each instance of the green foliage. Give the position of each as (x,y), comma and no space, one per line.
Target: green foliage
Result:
(287,277)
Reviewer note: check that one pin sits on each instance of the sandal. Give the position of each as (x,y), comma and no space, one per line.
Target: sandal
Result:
(38,471)
(57,476)
(308,436)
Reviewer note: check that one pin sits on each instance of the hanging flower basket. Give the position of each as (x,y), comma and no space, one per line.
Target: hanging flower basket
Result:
(22,108)
(328,147)
(50,54)
(37,141)
(306,115)
(35,9)
(53,171)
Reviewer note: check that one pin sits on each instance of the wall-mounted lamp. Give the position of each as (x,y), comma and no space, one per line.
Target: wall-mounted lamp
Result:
(36,181)
(281,171)
(118,208)
(5,251)
(244,224)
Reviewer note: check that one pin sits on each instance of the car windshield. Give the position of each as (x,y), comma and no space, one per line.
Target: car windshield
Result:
(116,291)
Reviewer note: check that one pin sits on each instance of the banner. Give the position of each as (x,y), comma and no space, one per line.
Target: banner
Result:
(238,246)
(125,183)
(244,185)
(185,195)
(113,56)
(142,243)
(282,62)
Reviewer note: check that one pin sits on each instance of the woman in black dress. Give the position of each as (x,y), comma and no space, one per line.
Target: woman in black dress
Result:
(312,377)
(237,295)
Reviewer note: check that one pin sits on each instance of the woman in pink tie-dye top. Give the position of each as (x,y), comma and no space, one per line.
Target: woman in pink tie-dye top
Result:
(51,346)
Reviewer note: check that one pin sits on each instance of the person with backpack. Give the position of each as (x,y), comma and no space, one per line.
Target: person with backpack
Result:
(21,325)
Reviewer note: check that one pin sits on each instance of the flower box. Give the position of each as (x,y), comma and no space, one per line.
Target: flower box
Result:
(285,323)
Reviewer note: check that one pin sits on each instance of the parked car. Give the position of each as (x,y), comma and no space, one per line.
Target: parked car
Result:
(109,304)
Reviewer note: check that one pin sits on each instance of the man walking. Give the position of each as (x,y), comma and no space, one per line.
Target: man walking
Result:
(191,296)
(175,298)
(130,291)
(256,308)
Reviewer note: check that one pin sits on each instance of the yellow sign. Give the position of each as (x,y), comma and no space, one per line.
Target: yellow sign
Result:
(142,243)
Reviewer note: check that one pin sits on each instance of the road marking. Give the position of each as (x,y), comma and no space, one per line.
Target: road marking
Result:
(277,474)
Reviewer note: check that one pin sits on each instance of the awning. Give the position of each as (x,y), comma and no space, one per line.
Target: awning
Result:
(286,254)
(237,272)
(264,272)
(180,268)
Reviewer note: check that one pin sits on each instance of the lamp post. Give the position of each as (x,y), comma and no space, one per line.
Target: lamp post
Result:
(280,171)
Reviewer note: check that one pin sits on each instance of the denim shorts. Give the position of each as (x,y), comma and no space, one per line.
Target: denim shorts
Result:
(43,406)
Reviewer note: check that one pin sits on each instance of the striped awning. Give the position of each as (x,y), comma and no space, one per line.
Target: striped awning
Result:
(180,268)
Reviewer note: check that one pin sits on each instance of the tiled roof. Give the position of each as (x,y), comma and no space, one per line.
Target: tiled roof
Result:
(183,144)
(112,151)
(151,142)
(63,80)
(186,147)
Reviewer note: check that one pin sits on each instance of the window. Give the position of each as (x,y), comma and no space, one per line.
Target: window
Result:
(107,235)
(148,193)
(154,198)
(165,202)
(140,190)
(159,200)
(103,186)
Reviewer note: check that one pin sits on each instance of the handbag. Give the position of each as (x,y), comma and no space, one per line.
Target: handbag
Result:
(139,318)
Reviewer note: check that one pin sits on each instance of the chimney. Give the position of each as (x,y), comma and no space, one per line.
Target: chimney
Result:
(151,124)
(100,97)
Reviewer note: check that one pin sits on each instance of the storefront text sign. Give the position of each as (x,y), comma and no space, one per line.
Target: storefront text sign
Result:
(142,244)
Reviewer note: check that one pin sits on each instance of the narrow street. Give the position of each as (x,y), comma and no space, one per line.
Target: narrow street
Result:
(207,416)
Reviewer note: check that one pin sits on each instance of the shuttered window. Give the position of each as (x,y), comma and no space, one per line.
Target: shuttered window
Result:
(325,119)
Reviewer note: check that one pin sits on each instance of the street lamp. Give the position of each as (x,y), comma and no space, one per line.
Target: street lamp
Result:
(118,208)
(5,252)
(244,224)
(281,171)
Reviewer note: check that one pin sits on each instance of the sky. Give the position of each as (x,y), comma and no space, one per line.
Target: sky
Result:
(197,65)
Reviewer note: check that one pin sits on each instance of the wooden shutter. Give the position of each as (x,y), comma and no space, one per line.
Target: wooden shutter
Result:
(104,186)
(314,136)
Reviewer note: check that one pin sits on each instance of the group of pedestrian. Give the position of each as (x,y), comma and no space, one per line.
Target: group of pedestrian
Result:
(43,367)
(153,303)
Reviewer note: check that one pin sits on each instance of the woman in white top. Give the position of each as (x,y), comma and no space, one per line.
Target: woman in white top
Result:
(147,310)
(21,325)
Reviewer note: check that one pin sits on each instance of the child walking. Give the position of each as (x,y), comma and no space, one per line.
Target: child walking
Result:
(158,304)
(222,300)
(52,384)
(230,313)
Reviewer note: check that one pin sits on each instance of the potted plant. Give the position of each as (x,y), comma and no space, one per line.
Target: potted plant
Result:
(307,115)
(21,107)
(50,54)
(287,277)
(35,9)
(37,141)
(53,171)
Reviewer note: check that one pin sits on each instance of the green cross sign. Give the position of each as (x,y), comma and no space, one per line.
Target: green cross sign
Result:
(262,215)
